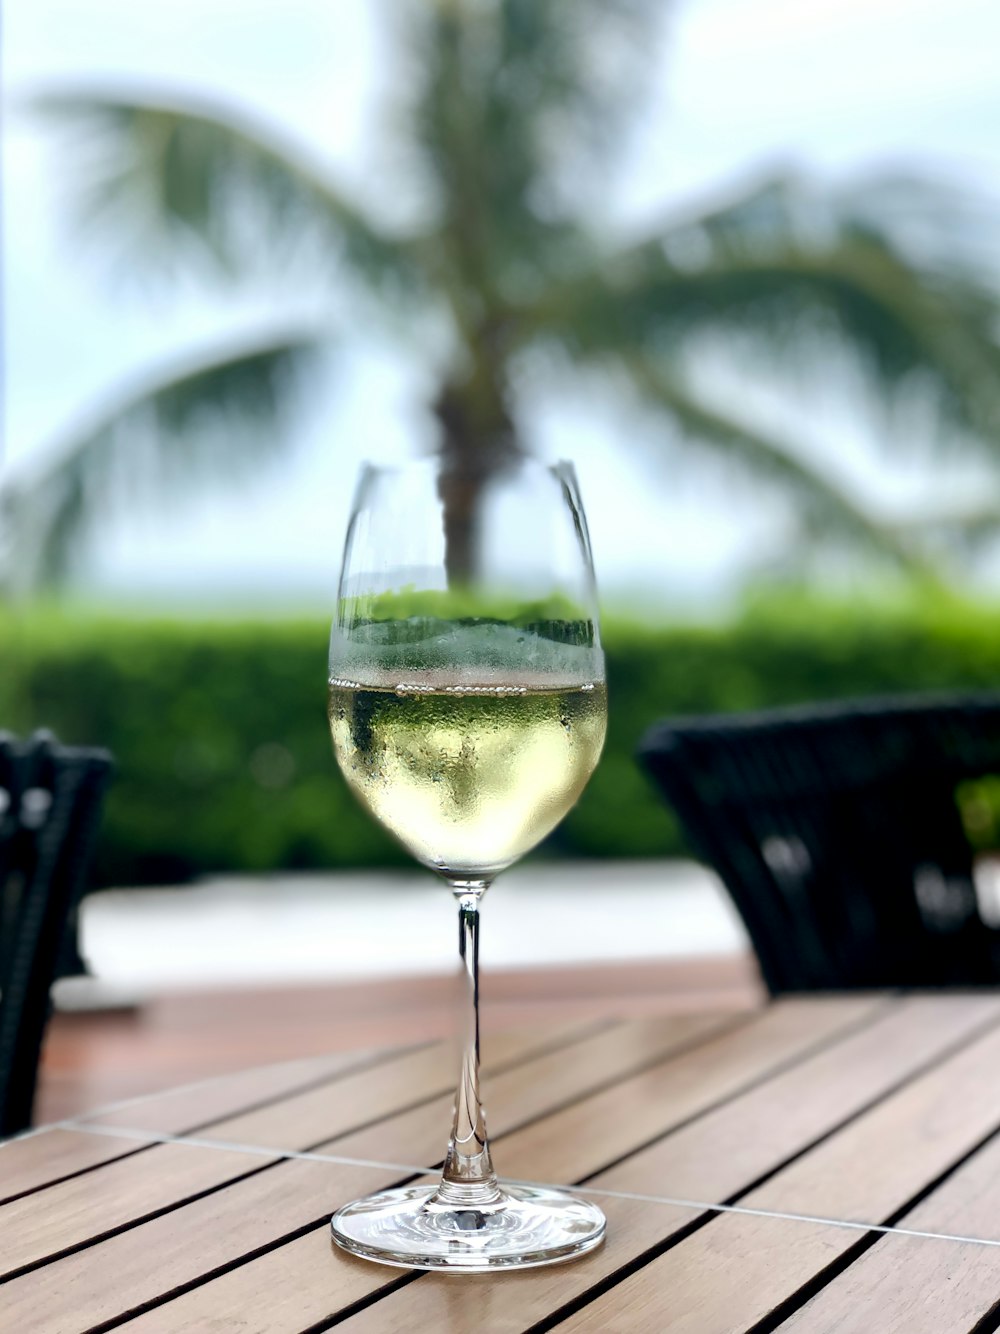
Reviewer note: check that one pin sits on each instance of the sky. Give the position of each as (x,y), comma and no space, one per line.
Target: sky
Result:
(838,87)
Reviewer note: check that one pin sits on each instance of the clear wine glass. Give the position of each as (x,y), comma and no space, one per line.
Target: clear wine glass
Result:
(468,710)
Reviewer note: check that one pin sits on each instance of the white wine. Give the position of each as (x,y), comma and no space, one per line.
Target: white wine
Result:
(468,777)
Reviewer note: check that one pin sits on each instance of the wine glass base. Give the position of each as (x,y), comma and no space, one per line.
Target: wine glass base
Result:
(528,1226)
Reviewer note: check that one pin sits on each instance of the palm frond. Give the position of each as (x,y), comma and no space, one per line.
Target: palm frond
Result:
(779,266)
(171,177)
(822,505)
(963,528)
(946,225)
(220,415)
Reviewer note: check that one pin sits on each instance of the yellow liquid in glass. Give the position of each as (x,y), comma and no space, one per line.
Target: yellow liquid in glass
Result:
(468,778)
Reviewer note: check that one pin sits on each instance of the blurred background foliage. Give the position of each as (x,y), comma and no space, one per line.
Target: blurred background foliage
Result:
(224,759)
(492,264)
(489,259)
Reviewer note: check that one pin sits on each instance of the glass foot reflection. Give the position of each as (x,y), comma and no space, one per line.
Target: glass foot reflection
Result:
(524,1227)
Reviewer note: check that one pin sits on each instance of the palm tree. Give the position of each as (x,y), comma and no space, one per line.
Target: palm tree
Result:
(514,104)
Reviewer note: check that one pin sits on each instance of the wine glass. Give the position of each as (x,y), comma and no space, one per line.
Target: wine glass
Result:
(468,710)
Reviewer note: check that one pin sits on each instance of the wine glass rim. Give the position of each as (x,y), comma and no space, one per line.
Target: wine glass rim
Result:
(562,468)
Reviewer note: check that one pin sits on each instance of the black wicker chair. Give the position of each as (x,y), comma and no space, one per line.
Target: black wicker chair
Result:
(836,830)
(50,801)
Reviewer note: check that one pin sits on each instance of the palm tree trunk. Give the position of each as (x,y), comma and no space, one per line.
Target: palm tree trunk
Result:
(461,491)
(477,442)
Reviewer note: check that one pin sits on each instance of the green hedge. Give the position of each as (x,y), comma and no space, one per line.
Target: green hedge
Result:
(224,760)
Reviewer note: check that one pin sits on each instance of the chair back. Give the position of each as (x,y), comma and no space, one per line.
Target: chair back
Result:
(50,801)
(836,831)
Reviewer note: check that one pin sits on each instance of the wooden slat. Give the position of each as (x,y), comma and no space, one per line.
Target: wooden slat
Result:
(778,1035)
(917,1285)
(923,1287)
(288,1289)
(184,1109)
(49,1221)
(283,1292)
(178,1111)
(26,1164)
(714,1157)
(715,1282)
(36,1160)
(255,1212)
(93,1059)
(321,1114)
(118,1193)
(145,1262)
(727,1149)
(536,1087)
(588,1136)
(873,1165)
(863,1173)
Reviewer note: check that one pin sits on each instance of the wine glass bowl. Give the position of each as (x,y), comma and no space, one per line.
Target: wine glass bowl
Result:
(467,708)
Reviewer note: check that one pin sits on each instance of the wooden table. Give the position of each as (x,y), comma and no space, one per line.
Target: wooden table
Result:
(820,1165)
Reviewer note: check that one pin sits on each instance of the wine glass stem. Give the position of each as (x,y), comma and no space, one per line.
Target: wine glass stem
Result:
(468,1179)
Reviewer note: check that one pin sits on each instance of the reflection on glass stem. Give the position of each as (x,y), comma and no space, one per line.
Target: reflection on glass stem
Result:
(468,1179)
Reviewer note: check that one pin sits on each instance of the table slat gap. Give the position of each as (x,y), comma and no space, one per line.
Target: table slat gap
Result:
(182,1289)
(443,1087)
(370,1061)
(964,1293)
(556,1317)
(363,1303)
(990,1322)
(683,1049)
(96,1306)
(925,1068)
(725,1030)
(53,1257)
(83,1125)
(824,1043)
(80,1171)
(945,1116)
(610,1281)
(631,1314)
(821,1279)
(339,1066)
(130,1134)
